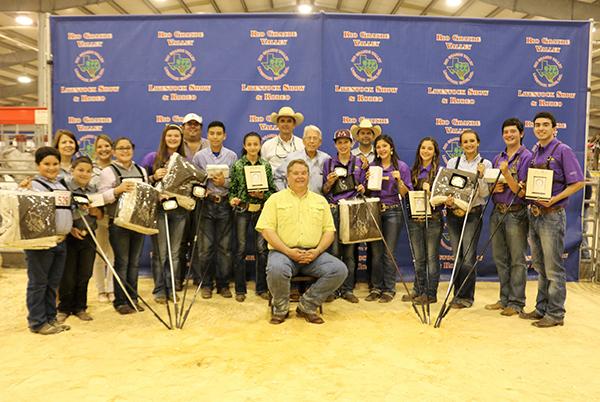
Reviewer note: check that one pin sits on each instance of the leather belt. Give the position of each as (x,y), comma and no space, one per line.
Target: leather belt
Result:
(247,206)
(504,208)
(385,207)
(461,212)
(537,210)
(436,216)
(217,199)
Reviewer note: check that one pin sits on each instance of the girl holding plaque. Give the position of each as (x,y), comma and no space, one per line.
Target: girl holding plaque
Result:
(116,179)
(343,178)
(247,205)
(395,182)
(171,141)
(470,161)
(425,231)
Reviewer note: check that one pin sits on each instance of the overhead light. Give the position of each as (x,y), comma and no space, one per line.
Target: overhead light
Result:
(23,79)
(23,20)
(453,3)
(304,8)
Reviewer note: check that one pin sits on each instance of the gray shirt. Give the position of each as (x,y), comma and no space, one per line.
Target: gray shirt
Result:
(206,157)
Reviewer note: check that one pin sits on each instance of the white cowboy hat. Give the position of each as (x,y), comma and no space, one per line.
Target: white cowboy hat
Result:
(365,123)
(289,112)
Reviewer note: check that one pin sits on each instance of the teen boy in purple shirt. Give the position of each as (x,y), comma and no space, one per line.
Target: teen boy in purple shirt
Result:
(547,222)
(509,216)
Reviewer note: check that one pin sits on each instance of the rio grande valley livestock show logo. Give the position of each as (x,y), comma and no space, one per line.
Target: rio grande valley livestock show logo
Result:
(89,66)
(451,149)
(86,146)
(547,71)
(366,65)
(273,64)
(179,64)
(458,68)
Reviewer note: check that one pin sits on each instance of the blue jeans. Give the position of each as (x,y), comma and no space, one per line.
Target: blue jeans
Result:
(345,252)
(426,248)
(161,270)
(127,247)
(384,269)
(465,259)
(214,244)
(509,246)
(44,271)
(547,234)
(243,221)
(280,269)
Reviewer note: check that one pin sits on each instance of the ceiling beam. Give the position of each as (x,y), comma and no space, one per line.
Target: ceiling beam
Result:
(151,6)
(20,57)
(427,7)
(397,6)
(366,7)
(117,7)
(11,91)
(555,9)
(185,6)
(215,6)
(463,8)
(494,12)
(44,6)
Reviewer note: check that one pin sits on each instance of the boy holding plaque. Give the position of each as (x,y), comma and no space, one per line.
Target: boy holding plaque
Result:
(251,185)
(214,238)
(509,244)
(547,221)
(343,178)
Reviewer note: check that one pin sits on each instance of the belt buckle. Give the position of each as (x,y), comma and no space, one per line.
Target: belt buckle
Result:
(217,199)
(458,212)
(536,210)
(503,208)
(253,207)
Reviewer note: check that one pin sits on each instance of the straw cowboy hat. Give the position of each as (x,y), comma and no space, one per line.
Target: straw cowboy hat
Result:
(365,123)
(288,112)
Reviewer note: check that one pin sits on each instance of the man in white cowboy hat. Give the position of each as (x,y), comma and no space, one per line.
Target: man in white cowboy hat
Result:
(364,134)
(192,135)
(276,149)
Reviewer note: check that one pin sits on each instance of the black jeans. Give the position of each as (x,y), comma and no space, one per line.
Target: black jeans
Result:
(72,293)
(244,221)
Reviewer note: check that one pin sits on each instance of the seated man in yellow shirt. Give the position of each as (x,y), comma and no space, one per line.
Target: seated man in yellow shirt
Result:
(298,226)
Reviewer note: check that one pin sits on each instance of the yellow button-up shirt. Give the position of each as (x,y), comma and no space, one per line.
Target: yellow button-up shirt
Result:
(299,221)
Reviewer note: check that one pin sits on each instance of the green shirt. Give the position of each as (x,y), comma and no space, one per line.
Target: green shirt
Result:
(237,185)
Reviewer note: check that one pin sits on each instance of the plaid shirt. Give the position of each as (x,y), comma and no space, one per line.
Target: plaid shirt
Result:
(237,186)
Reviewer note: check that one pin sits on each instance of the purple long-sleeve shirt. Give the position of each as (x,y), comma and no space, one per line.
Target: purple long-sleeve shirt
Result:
(520,163)
(565,165)
(389,185)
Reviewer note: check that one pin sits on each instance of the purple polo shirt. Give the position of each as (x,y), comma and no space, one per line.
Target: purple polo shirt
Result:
(358,173)
(389,185)
(424,176)
(520,161)
(565,165)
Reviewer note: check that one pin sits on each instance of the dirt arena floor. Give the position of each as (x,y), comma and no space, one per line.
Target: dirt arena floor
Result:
(366,352)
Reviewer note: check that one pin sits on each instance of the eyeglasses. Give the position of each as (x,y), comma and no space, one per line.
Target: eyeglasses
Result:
(123,148)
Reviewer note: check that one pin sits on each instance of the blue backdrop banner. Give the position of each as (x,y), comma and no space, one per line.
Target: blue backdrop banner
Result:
(415,76)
